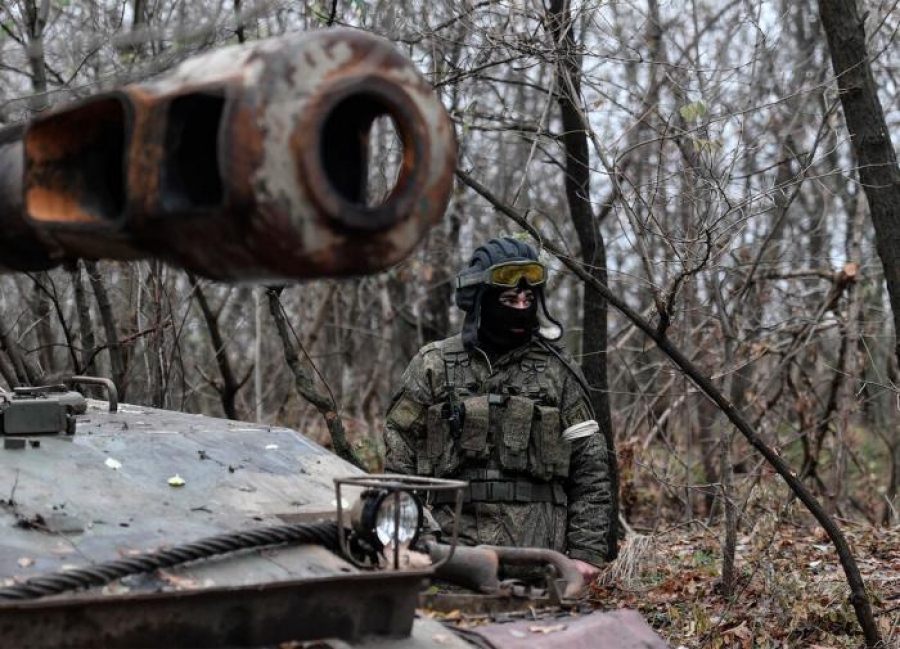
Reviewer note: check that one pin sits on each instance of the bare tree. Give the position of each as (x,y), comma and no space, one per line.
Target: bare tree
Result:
(876,160)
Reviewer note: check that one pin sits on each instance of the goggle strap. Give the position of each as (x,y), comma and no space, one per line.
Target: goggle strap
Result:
(464,281)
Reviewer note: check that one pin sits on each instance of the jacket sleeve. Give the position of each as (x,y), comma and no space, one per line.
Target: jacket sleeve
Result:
(589,483)
(404,430)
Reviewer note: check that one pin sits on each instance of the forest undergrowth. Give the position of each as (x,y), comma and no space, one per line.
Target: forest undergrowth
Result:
(790,591)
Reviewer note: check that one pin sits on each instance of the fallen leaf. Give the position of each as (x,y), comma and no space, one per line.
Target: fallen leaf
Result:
(740,631)
(113,464)
(24,562)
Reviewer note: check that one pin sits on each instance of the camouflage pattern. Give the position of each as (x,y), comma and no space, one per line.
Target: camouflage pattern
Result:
(578,527)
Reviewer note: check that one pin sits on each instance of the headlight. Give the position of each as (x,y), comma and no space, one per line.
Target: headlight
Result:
(388,517)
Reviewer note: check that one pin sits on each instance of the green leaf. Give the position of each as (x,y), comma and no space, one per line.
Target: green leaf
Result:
(319,12)
(692,111)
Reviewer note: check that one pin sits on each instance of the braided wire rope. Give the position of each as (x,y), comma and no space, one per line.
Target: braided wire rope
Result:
(323,533)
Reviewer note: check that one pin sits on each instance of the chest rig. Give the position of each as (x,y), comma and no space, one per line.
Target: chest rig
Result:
(506,437)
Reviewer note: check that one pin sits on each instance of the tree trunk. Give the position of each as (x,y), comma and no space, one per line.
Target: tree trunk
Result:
(590,238)
(85,325)
(35,21)
(875,155)
(108,319)
(229,387)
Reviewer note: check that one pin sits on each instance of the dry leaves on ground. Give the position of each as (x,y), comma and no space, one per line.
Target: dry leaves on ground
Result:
(790,589)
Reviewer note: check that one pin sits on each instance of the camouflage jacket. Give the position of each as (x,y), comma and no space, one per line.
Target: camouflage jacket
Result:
(514,410)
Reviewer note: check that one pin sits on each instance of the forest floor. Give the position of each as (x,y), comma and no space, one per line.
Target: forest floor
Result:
(790,589)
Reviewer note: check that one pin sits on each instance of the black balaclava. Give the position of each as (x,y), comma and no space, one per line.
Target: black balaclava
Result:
(472,299)
(503,328)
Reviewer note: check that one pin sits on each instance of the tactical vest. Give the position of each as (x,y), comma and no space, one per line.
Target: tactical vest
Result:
(510,424)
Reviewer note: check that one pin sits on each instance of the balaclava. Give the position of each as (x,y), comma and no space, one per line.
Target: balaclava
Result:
(505,327)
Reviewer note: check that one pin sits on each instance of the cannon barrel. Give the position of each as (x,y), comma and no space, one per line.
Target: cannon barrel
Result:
(247,162)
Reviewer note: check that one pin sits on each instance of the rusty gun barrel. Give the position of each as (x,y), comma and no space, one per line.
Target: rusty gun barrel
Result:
(248,162)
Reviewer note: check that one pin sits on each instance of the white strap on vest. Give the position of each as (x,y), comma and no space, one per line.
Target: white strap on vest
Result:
(584,429)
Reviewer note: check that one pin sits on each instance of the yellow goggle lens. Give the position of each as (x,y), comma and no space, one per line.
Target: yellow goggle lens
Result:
(511,274)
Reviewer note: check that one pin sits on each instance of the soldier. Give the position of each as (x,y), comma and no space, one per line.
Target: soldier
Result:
(503,407)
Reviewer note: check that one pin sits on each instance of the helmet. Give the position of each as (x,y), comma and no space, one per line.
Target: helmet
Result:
(502,262)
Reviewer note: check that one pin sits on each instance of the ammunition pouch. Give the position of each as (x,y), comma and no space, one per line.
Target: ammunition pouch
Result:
(514,432)
(527,437)
(444,446)
(474,435)
(548,454)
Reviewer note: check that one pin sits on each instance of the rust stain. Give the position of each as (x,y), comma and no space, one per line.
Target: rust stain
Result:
(49,205)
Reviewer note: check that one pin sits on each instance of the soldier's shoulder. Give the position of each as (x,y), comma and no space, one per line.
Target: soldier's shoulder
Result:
(439,347)
(554,349)
(559,358)
(557,345)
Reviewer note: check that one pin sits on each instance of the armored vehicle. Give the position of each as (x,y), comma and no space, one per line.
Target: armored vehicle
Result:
(126,526)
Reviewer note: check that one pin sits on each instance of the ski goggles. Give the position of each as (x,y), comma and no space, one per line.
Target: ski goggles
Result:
(506,275)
